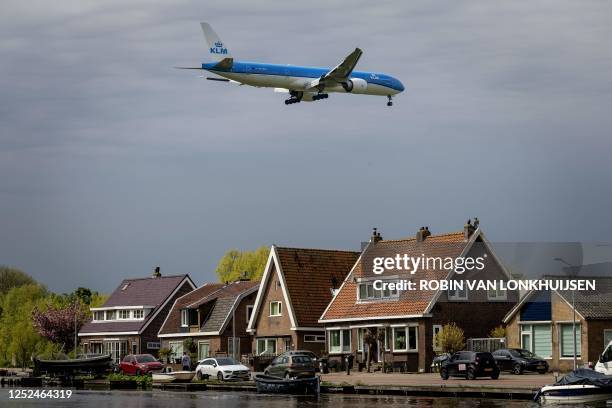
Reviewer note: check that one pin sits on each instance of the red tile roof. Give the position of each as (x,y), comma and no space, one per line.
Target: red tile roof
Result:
(412,302)
(309,274)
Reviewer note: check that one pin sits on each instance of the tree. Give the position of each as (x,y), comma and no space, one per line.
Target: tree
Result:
(12,278)
(237,264)
(59,324)
(369,338)
(498,332)
(451,338)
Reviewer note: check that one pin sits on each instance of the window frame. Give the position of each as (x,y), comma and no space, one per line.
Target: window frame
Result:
(341,337)
(249,312)
(456,296)
(280,308)
(184,317)
(435,346)
(371,294)
(406,329)
(578,341)
(315,338)
(497,296)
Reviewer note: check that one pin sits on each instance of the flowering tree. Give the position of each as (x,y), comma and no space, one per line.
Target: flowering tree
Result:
(58,324)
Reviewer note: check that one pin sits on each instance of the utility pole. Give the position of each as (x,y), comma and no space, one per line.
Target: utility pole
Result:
(569,268)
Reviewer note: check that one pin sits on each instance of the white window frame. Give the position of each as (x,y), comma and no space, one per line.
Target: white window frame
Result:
(265,340)
(314,338)
(373,294)
(407,329)
(342,349)
(120,313)
(99,313)
(176,352)
(578,341)
(360,339)
(531,334)
(500,294)
(140,312)
(454,294)
(280,308)
(249,312)
(230,344)
(184,318)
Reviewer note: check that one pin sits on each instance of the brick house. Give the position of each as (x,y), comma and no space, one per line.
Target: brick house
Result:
(215,316)
(404,322)
(295,288)
(129,320)
(542,322)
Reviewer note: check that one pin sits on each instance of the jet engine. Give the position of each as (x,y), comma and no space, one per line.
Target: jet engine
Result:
(355,85)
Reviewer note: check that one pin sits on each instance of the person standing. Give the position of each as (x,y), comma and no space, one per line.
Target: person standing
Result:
(186,361)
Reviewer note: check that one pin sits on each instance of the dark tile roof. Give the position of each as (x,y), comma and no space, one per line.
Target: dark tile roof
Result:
(595,305)
(309,274)
(412,302)
(223,297)
(144,291)
(138,292)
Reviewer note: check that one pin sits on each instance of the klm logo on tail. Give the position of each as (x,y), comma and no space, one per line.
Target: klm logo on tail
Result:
(218,49)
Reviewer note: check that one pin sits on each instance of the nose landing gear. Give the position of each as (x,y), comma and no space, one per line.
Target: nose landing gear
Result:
(390,102)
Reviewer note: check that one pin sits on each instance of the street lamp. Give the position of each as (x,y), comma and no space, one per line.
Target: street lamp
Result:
(573,308)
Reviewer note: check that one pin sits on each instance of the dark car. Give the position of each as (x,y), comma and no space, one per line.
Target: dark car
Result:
(313,356)
(138,364)
(469,364)
(519,360)
(290,365)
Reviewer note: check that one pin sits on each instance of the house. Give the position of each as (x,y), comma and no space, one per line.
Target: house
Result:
(296,286)
(542,322)
(215,317)
(402,324)
(129,320)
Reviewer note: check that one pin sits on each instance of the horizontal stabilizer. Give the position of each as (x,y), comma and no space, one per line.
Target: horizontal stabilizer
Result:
(200,68)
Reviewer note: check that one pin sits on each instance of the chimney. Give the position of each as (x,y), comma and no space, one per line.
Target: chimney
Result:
(156,272)
(469,228)
(422,233)
(376,237)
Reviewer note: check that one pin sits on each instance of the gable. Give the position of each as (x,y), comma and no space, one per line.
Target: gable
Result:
(267,325)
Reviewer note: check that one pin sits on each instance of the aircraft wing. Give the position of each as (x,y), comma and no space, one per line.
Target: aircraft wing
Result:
(344,69)
(340,73)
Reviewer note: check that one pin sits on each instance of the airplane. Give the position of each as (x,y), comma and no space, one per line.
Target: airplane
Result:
(306,84)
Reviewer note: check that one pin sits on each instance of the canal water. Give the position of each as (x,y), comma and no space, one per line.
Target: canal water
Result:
(214,399)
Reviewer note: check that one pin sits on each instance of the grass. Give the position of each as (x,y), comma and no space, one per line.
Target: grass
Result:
(142,380)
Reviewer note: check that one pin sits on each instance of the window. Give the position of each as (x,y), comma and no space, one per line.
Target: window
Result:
(457,294)
(184,318)
(566,339)
(607,337)
(340,341)
(249,313)
(314,338)
(537,338)
(496,294)
(124,314)
(111,315)
(176,348)
(98,315)
(266,346)
(436,330)
(203,350)
(360,339)
(606,356)
(366,291)
(276,308)
(138,314)
(230,346)
(405,338)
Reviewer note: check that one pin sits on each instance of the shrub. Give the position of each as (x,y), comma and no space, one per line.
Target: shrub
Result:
(451,338)
(498,332)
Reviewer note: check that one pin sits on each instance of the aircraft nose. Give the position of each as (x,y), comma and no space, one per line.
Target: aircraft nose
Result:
(400,86)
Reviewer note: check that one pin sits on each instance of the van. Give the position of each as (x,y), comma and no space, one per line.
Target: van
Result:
(604,364)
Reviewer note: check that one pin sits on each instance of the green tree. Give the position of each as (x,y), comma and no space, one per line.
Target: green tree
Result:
(451,338)
(498,332)
(11,278)
(237,264)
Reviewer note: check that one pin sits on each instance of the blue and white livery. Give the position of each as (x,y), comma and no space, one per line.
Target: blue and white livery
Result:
(301,83)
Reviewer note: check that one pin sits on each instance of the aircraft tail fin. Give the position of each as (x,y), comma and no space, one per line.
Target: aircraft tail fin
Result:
(217,49)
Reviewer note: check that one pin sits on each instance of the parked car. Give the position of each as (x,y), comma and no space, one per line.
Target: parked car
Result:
(291,365)
(604,364)
(313,356)
(437,361)
(222,368)
(518,360)
(469,364)
(139,364)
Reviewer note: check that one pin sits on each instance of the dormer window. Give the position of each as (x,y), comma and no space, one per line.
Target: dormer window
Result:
(138,313)
(98,315)
(124,314)
(367,291)
(125,286)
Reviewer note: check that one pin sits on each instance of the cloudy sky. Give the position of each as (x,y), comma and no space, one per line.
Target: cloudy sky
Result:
(112,162)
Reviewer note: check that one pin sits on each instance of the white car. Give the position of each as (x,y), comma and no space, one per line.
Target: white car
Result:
(222,368)
(604,365)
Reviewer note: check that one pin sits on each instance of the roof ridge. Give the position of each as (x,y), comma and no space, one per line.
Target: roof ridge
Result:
(407,239)
(159,277)
(318,249)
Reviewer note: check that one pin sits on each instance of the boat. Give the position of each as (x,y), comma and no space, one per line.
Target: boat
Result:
(578,387)
(173,376)
(88,363)
(268,384)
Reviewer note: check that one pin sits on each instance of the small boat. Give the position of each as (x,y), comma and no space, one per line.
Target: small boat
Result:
(96,363)
(269,384)
(578,387)
(173,376)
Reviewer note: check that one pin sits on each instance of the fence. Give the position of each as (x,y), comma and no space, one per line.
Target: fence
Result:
(486,344)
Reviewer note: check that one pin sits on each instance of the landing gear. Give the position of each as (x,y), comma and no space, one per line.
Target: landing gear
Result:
(320,96)
(291,100)
(390,102)
(296,97)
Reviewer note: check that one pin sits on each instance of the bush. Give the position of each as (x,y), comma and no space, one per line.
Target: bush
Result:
(498,332)
(451,338)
